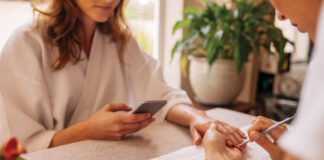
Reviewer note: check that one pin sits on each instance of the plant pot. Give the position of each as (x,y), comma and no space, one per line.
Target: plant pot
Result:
(219,85)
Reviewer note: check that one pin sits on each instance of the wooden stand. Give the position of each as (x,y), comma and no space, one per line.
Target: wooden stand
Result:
(250,108)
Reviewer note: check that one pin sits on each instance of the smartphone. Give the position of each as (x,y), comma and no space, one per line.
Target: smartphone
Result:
(149,107)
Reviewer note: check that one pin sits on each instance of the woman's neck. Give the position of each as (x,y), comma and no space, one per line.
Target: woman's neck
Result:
(89,27)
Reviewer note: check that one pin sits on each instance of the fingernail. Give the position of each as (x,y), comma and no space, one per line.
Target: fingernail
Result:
(255,135)
(229,143)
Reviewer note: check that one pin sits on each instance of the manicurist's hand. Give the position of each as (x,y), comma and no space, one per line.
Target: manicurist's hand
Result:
(199,125)
(199,122)
(260,124)
(215,148)
(111,125)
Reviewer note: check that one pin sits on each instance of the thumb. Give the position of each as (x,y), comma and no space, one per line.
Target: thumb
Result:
(213,126)
(116,107)
(264,142)
(195,135)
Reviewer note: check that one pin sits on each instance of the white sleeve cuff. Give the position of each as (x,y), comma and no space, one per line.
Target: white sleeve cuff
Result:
(173,99)
(39,141)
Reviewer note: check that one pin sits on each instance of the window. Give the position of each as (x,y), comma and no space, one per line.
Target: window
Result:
(142,18)
(12,15)
(141,15)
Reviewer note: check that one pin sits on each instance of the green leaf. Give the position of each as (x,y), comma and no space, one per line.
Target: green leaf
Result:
(184,61)
(218,51)
(192,10)
(185,43)
(175,49)
(237,59)
(230,34)
(20,158)
(211,48)
(181,24)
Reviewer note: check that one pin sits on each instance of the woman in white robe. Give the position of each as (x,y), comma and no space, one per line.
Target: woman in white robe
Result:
(305,138)
(44,107)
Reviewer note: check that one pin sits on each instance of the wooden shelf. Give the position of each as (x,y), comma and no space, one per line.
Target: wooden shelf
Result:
(250,108)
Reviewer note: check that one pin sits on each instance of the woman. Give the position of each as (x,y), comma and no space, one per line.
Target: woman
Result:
(64,80)
(305,140)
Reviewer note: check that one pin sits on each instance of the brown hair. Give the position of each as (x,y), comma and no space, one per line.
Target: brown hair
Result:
(62,23)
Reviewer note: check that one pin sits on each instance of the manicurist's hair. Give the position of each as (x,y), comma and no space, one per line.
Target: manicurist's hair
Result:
(62,27)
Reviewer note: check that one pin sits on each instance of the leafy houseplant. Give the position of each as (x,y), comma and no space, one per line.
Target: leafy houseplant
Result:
(229,33)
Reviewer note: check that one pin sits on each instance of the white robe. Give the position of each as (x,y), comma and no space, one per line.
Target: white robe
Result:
(305,138)
(38,102)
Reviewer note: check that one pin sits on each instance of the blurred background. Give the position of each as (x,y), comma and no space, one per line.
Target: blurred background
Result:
(267,90)
(140,14)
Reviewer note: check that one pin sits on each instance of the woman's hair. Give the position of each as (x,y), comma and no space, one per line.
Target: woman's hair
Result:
(62,22)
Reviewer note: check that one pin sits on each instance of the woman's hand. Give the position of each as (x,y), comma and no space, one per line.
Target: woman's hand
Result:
(199,125)
(199,122)
(215,148)
(105,124)
(110,125)
(259,125)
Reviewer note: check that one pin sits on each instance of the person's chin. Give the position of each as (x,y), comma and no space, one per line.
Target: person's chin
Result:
(102,19)
(300,29)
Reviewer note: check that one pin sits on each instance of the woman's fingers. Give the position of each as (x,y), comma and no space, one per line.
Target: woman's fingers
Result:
(242,134)
(237,133)
(261,123)
(233,139)
(274,151)
(116,107)
(135,118)
(195,135)
(238,138)
(276,133)
(229,143)
(123,129)
(233,136)
(116,138)
(134,127)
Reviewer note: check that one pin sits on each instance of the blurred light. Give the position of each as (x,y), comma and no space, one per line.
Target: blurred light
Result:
(144,2)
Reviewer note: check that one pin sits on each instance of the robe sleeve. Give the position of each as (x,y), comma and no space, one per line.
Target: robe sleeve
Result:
(147,82)
(25,98)
(305,138)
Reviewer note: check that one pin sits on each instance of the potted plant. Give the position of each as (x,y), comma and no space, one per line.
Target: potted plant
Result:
(219,40)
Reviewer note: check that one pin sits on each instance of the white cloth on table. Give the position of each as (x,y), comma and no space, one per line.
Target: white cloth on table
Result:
(38,102)
(252,152)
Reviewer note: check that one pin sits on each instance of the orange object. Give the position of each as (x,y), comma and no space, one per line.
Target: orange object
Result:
(12,149)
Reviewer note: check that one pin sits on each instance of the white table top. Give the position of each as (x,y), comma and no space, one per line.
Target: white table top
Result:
(153,141)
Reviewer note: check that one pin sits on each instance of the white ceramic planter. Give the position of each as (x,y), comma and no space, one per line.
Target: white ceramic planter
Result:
(220,85)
